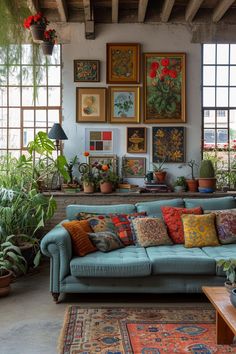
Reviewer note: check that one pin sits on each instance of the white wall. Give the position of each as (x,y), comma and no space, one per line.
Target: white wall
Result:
(153,38)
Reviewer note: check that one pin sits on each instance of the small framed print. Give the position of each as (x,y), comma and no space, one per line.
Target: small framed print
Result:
(123,63)
(86,70)
(134,167)
(112,160)
(124,104)
(91,105)
(100,141)
(136,140)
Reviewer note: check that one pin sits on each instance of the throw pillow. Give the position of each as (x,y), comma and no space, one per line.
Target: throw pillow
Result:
(226,226)
(151,232)
(199,230)
(133,231)
(78,231)
(172,218)
(98,223)
(123,228)
(106,241)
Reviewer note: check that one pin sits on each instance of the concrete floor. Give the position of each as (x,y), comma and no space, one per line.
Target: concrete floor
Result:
(31,322)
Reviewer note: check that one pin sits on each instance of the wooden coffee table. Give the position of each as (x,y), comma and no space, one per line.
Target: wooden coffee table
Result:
(225,313)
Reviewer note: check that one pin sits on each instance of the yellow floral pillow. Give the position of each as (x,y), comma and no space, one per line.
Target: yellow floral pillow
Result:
(199,230)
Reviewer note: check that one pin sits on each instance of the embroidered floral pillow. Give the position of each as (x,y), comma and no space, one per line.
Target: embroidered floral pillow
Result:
(226,226)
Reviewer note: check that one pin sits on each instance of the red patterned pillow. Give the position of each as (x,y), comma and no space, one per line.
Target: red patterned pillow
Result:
(123,227)
(172,218)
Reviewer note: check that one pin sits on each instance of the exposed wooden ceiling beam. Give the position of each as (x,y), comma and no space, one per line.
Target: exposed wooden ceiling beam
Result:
(89,20)
(142,8)
(33,6)
(62,9)
(221,9)
(166,10)
(192,9)
(115,11)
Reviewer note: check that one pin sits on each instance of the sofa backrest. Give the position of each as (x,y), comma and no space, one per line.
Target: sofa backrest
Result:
(154,208)
(211,203)
(73,210)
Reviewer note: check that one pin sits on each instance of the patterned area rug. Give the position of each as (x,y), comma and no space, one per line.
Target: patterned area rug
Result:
(140,331)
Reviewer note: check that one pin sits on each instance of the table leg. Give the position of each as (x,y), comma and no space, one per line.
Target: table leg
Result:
(224,335)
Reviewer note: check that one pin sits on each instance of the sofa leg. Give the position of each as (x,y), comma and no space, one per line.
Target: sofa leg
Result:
(55,297)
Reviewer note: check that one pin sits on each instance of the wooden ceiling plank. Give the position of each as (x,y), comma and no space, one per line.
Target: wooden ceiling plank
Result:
(89,20)
(62,9)
(33,6)
(192,9)
(115,11)
(221,9)
(166,10)
(142,8)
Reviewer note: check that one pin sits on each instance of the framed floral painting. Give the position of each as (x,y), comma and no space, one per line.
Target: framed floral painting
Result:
(168,143)
(124,104)
(111,160)
(136,140)
(91,105)
(123,63)
(86,70)
(164,88)
(133,167)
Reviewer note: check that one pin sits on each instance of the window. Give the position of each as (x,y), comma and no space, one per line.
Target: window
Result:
(30,95)
(219,105)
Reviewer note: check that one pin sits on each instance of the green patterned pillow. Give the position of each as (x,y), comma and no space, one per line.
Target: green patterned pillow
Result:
(106,241)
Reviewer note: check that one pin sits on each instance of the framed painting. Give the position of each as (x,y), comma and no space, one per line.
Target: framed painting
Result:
(124,104)
(100,141)
(123,63)
(133,167)
(168,143)
(164,88)
(136,140)
(91,105)
(86,70)
(112,160)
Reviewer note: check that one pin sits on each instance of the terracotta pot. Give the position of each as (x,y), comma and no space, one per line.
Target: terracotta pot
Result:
(192,185)
(5,281)
(37,32)
(160,176)
(47,48)
(208,184)
(88,187)
(106,187)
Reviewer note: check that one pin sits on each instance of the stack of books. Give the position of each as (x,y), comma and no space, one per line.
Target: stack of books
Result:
(156,187)
(127,187)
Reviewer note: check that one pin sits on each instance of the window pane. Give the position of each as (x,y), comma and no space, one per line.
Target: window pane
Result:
(209,119)
(233,54)
(41,118)
(209,138)
(222,119)
(27,75)
(14,54)
(54,96)
(233,75)
(27,96)
(232,97)
(208,97)
(41,75)
(14,117)
(14,75)
(3,138)
(14,138)
(3,117)
(28,135)
(54,75)
(53,117)
(3,55)
(55,58)
(3,75)
(28,118)
(222,97)
(222,137)
(222,53)
(15,153)
(232,127)
(3,96)
(209,54)
(27,54)
(209,75)
(222,75)
(41,97)
(14,96)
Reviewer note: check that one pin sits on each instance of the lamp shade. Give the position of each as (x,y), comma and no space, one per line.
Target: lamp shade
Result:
(57,133)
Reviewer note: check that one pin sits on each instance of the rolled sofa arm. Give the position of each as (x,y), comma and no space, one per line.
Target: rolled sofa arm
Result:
(56,244)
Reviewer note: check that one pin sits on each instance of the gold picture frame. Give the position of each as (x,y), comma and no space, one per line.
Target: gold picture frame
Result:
(124,104)
(136,139)
(112,160)
(133,167)
(91,105)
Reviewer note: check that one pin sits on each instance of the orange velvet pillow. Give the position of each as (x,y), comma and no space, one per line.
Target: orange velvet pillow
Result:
(78,231)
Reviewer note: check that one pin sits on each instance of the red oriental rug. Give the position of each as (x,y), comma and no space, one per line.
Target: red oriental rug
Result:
(140,331)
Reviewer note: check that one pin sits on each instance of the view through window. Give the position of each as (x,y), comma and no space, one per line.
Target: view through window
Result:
(219,110)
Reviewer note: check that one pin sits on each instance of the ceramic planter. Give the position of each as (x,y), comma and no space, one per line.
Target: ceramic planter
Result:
(5,281)
(47,48)
(160,176)
(179,189)
(88,187)
(37,32)
(106,187)
(207,185)
(192,185)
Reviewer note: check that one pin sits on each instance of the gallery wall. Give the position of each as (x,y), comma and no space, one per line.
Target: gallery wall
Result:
(153,38)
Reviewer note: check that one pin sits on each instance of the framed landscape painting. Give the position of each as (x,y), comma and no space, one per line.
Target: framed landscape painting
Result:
(164,88)
(168,143)
(99,140)
(124,104)
(134,167)
(91,105)
(86,70)
(136,140)
(123,63)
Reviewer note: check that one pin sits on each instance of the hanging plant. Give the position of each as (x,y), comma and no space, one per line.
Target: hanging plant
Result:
(50,37)
(36,24)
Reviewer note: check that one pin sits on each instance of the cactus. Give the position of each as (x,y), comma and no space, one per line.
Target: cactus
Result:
(207,169)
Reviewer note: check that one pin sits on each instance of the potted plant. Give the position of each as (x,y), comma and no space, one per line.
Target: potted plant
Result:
(36,24)
(180,184)
(107,179)
(159,171)
(48,41)
(193,182)
(11,262)
(229,267)
(207,180)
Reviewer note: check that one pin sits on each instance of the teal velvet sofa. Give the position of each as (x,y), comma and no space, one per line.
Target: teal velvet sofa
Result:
(133,269)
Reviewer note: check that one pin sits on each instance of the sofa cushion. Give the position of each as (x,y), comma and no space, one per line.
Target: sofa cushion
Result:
(154,208)
(106,241)
(222,252)
(130,261)
(211,203)
(226,226)
(73,210)
(177,259)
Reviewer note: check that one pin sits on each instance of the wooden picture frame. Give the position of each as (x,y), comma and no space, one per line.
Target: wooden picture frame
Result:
(91,105)
(103,160)
(168,143)
(100,141)
(164,88)
(136,140)
(86,70)
(133,167)
(124,104)
(123,63)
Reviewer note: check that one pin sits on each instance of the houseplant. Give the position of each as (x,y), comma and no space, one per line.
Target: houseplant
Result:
(207,180)
(49,40)
(11,262)
(88,177)
(159,170)
(36,24)
(107,179)
(193,182)
(229,267)
(180,184)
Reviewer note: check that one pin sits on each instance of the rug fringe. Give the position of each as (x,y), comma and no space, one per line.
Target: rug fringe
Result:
(60,345)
